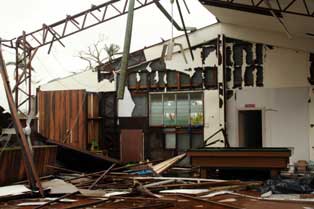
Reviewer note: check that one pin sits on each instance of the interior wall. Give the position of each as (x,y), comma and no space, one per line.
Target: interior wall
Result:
(285,114)
(213,119)
(285,68)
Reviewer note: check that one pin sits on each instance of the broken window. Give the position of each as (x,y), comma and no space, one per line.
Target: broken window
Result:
(197,78)
(140,109)
(144,79)
(172,79)
(210,80)
(157,79)
(132,83)
(248,76)
(184,80)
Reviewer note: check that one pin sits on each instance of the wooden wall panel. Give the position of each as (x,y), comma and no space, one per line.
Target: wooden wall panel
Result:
(63,116)
(12,165)
(93,118)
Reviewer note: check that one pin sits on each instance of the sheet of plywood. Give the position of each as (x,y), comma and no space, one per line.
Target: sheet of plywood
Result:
(132,145)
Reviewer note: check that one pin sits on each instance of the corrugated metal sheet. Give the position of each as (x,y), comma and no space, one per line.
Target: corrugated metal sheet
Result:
(63,116)
(12,165)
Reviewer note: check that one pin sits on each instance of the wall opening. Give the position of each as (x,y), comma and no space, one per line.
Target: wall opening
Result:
(250,128)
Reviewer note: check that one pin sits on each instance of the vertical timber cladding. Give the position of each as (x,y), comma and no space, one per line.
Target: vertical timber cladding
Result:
(93,119)
(62,116)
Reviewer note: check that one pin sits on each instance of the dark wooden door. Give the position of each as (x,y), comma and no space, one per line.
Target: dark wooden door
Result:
(131,145)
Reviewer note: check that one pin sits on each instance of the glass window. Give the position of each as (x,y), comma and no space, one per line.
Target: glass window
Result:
(156,110)
(197,140)
(176,109)
(170,140)
(183,142)
(169,109)
(183,109)
(196,114)
(140,109)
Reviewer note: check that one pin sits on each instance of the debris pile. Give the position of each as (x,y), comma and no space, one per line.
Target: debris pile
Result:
(133,186)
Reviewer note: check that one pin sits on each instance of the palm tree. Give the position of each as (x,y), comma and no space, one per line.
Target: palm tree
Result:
(112,50)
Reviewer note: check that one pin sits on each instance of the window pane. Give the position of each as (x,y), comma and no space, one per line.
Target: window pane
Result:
(170,140)
(197,140)
(169,110)
(140,109)
(183,142)
(183,109)
(156,110)
(196,103)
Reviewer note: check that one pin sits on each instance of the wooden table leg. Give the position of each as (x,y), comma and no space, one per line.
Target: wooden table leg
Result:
(204,173)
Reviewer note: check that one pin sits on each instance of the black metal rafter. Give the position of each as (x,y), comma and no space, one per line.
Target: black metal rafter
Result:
(29,43)
(96,15)
(260,6)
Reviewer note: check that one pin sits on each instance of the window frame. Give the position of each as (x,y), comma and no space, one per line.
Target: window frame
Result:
(179,131)
(176,109)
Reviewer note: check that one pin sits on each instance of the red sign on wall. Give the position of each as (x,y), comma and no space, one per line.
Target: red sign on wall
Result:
(249,106)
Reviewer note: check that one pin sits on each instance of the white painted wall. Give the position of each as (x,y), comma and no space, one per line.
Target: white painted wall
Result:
(85,80)
(286,117)
(213,119)
(283,101)
(285,68)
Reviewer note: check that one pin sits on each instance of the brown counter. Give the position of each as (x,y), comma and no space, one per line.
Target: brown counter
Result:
(273,159)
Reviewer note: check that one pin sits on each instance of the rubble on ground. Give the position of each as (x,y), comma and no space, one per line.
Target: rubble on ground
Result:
(129,187)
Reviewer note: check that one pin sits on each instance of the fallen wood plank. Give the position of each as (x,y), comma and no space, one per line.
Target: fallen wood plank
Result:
(184,191)
(57,199)
(163,166)
(197,185)
(211,202)
(102,176)
(61,169)
(13,190)
(94,203)
(159,184)
(165,178)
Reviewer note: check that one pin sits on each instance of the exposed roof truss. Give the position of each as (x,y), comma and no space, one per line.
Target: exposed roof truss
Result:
(296,7)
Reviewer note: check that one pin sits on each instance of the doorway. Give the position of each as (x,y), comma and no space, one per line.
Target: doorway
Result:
(250,129)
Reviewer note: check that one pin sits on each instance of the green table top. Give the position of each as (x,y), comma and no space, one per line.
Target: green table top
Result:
(241,149)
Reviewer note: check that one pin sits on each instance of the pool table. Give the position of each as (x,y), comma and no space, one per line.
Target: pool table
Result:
(270,158)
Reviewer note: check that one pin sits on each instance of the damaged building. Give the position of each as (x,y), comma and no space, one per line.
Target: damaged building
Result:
(244,88)
(219,117)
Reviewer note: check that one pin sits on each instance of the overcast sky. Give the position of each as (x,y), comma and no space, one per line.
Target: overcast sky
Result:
(149,27)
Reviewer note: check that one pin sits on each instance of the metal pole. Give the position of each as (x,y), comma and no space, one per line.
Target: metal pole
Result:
(29,163)
(126,50)
(184,28)
(17,75)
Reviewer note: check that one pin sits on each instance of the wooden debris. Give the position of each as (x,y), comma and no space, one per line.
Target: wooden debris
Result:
(163,166)
(102,176)
(58,186)
(57,199)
